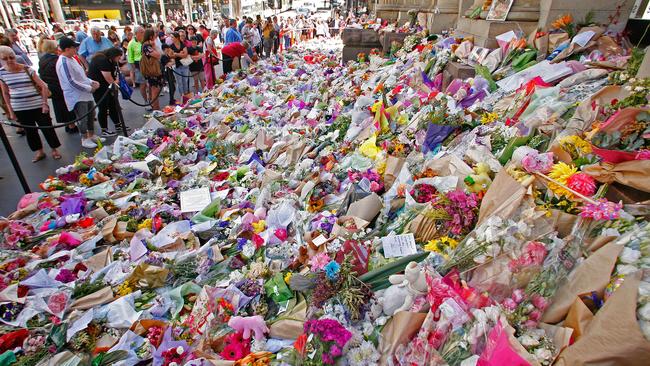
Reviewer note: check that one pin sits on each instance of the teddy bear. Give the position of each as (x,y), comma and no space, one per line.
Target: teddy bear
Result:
(404,289)
(249,325)
(480,180)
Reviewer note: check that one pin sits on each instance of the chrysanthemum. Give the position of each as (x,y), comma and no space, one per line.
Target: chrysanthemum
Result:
(561,173)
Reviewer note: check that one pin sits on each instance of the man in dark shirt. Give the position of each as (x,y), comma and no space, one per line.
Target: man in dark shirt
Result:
(103,69)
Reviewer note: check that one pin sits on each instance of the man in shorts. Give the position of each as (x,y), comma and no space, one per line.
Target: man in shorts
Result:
(133,56)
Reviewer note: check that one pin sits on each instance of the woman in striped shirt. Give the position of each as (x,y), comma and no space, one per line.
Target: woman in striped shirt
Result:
(26,103)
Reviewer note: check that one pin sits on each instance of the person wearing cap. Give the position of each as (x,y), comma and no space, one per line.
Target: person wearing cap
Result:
(232,52)
(77,91)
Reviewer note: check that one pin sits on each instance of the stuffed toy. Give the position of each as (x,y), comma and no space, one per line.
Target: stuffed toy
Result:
(480,180)
(250,324)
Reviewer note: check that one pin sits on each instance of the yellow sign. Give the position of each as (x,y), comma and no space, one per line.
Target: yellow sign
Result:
(108,13)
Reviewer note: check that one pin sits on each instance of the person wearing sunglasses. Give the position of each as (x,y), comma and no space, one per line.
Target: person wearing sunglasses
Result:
(26,95)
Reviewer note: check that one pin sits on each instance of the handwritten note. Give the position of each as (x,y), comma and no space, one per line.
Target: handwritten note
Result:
(398,245)
(195,200)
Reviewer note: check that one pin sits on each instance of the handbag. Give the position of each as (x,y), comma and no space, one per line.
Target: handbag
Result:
(187,60)
(125,89)
(150,66)
(36,85)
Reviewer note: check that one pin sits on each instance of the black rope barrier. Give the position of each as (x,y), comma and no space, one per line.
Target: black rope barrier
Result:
(53,126)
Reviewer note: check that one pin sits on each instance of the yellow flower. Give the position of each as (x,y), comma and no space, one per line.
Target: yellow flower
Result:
(124,289)
(287,277)
(488,118)
(561,173)
(441,245)
(146,224)
(259,226)
(574,144)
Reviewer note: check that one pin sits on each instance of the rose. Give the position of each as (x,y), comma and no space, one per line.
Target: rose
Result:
(540,302)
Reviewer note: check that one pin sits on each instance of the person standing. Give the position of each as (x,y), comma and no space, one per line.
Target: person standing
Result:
(257,40)
(196,67)
(77,91)
(103,69)
(133,56)
(232,52)
(22,55)
(47,72)
(95,43)
(26,96)
(182,71)
(155,80)
(276,35)
(232,34)
(211,57)
(267,36)
(167,64)
(80,35)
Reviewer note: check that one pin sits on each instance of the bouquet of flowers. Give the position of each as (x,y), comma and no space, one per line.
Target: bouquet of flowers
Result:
(322,342)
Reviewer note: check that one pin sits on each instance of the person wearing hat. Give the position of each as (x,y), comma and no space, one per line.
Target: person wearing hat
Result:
(77,91)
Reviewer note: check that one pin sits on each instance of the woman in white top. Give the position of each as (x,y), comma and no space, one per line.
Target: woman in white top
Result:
(26,95)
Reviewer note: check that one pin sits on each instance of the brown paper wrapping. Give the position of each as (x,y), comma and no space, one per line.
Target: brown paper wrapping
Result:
(591,275)
(575,48)
(140,327)
(101,297)
(563,222)
(578,318)
(556,39)
(393,168)
(561,336)
(98,214)
(613,337)
(293,324)
(599,242)
(366,208)
(120,231)
(340,230)
(99,260)
(424,228)
(630,173)
(148,276)
(399,330)
(503,197)
(107,230)
(24,212)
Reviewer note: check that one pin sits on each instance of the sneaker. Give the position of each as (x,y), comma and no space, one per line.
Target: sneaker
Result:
(88,143)
(108,133)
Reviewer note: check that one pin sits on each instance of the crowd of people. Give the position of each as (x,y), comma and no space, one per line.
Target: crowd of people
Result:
(77,68)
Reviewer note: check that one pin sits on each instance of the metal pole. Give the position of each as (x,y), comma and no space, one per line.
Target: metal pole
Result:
(116,95)
(46,18)
(163,14)
(211,14)
(134,14)
(5,17)
(14,161)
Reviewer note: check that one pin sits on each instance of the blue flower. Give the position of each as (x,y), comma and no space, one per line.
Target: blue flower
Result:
(332,270)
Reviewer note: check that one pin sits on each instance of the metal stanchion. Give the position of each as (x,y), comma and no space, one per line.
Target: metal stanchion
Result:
(116,95)
(14,160)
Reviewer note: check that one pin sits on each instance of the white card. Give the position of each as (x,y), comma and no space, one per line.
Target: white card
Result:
(319,240)
(195,200)
(398,245)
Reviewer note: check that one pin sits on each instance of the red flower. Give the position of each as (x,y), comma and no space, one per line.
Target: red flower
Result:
(301,343)
(86,222)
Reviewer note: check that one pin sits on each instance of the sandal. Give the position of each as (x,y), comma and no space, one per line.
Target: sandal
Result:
(56,156)
(38,158)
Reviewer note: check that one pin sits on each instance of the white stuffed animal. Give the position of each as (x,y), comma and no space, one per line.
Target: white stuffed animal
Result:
(405,288)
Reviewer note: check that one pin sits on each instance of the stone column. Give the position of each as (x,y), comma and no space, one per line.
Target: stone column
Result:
(55,5)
